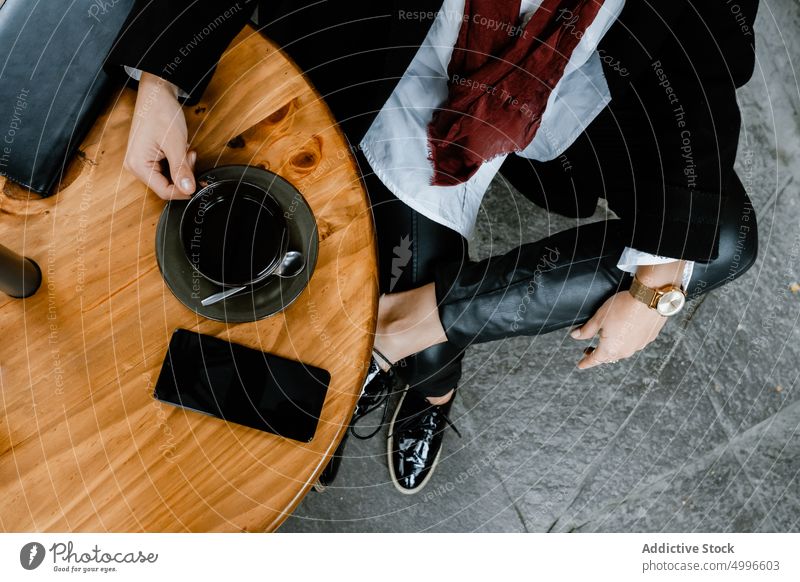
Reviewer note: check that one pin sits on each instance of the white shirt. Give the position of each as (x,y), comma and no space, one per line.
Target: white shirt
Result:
(396,144)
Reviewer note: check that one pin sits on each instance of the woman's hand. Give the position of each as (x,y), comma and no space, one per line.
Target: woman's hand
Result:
(158,132)
(625,324)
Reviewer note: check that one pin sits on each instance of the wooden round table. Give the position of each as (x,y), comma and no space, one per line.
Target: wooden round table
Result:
(83,444)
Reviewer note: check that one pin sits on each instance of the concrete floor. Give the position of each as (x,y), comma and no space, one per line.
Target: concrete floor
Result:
(706,439)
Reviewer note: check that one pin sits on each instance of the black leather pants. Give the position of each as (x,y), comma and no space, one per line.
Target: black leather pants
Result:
(411,248)
(560,281)
(538,287)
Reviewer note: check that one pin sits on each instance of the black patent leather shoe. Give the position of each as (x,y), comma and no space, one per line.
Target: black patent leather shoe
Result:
(378,387)
(415,440)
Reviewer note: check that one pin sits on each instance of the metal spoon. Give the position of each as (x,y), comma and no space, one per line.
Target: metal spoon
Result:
(292,265)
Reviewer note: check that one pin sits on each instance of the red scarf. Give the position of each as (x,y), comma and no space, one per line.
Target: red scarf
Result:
(500,77)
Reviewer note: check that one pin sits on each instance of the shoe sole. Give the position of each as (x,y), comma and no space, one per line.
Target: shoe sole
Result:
(390,441)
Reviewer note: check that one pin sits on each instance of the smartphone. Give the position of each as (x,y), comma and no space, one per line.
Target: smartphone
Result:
(242,385)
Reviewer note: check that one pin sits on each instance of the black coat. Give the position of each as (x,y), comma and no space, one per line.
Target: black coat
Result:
(355,52)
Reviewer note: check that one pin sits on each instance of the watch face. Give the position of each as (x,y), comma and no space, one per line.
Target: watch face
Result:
(671,303)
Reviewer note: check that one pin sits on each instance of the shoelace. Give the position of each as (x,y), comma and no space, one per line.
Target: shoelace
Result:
(383,397)
(356,418)
(413,421)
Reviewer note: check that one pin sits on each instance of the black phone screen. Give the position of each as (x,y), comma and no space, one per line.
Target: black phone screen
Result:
(242,385)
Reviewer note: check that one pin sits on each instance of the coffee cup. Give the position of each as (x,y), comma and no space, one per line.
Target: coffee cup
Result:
(234,233)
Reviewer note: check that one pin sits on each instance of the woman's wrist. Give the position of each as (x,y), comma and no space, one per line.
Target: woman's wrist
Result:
(148,81)
(655,276)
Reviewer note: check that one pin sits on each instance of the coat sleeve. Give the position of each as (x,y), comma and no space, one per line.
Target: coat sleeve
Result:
(687,65)
(177,40)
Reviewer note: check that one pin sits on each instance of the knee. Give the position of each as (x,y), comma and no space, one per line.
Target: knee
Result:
(738,247)
(738,241)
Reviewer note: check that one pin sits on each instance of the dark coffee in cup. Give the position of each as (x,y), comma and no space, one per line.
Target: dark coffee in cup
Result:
(233,233)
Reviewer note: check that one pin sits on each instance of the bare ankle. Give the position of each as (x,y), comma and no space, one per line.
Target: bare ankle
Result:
(439,400)
(392,313)
(391,324)
(408,322)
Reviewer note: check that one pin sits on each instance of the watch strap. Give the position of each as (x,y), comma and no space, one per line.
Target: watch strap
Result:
(643,293)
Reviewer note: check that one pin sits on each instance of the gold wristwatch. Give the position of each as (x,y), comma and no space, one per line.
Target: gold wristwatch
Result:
(667,300)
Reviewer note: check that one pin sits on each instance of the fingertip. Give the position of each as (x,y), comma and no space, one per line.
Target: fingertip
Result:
(575,333)
(187,185)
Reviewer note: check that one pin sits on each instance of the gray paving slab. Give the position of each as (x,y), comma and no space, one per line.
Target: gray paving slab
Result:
(700,432)
(770,457)
(467,494)
(710,494)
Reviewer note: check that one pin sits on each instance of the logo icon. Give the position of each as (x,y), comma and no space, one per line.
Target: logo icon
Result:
(402,254)
(31,555)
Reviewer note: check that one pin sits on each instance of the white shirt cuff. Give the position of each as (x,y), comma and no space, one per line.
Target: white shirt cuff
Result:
(136,74)
(630,260)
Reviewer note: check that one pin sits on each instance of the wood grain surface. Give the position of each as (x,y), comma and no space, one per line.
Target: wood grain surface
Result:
(83,444)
